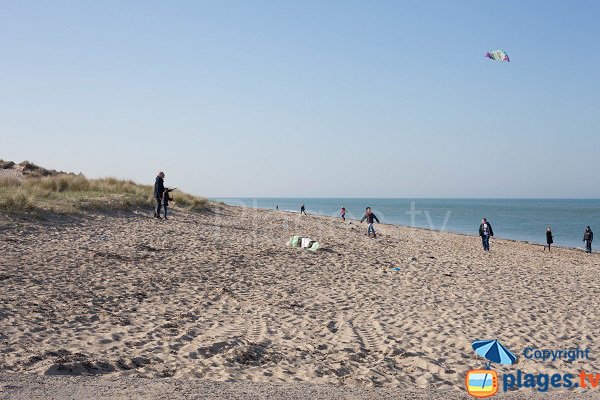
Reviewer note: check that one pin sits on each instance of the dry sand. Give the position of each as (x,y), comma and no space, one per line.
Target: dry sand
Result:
(220,297)
(44,387)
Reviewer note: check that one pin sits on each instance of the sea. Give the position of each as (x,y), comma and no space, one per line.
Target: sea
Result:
(517,219)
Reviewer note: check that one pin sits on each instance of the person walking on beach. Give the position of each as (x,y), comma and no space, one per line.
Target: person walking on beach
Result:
(549,240)
(485,231)
(343,214)
(159,189)
(303,210)
(588,236)
(370,217)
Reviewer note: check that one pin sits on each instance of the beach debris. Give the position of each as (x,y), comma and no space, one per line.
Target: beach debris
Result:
(396,269)
(331,326)
(305,243)
(498,55)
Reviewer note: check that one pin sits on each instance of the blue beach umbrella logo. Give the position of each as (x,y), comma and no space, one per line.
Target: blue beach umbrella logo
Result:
(494,352)
(482,383)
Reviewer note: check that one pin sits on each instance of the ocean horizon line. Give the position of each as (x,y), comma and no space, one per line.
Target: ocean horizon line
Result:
(400,198)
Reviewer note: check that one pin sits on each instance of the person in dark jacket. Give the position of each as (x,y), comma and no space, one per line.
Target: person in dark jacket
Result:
(159,189)
(588,237)
(370,217)
(485,231)
(549,239)
(303,210)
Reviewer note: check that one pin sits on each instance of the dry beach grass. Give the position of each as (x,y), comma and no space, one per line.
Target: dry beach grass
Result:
(218,296)
(27,187)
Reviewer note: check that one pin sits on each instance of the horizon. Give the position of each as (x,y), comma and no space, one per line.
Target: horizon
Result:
(407,198)
(386,100)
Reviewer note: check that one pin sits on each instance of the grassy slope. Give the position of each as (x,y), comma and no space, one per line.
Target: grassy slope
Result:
(72,193)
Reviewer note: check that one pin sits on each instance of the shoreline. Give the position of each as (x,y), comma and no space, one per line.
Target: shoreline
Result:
(495,238)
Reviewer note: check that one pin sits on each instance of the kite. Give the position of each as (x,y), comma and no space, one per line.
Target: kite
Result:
(498,55)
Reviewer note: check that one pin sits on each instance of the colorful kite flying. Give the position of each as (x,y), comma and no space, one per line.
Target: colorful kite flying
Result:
(498,55)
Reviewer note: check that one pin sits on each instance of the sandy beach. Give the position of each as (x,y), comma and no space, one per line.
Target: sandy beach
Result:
(218,296)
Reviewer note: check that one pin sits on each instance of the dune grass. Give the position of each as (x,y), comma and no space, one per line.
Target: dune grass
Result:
(74,193)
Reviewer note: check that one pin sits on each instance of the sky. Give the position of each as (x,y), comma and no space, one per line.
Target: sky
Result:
(308,98)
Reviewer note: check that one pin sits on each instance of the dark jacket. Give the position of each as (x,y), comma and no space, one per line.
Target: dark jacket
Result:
(588,235)
(159,188)
(166,198)
(370,218)
(489,229)
(549,237)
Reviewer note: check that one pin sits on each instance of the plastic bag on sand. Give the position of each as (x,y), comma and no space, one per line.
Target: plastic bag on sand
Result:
(315,246)
(297,241)
(306,243)
(294,241)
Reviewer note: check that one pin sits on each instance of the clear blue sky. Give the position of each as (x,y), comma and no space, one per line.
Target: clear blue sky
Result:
(308,98)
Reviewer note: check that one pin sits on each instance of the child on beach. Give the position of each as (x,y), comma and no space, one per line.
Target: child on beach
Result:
(343,214)
(549,240)
(165,200)
(370,217)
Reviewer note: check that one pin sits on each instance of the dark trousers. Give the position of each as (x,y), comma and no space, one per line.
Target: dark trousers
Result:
(485,240)
(158,206)
(588,246)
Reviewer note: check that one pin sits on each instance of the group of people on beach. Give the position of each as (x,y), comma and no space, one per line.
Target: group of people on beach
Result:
(485,229)
(161,195)
(369,216)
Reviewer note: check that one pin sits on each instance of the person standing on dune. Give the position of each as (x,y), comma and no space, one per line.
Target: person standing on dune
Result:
(371,218)
(159,189)
(485,231)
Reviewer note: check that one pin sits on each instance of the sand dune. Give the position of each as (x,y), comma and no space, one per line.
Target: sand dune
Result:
(219,296)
